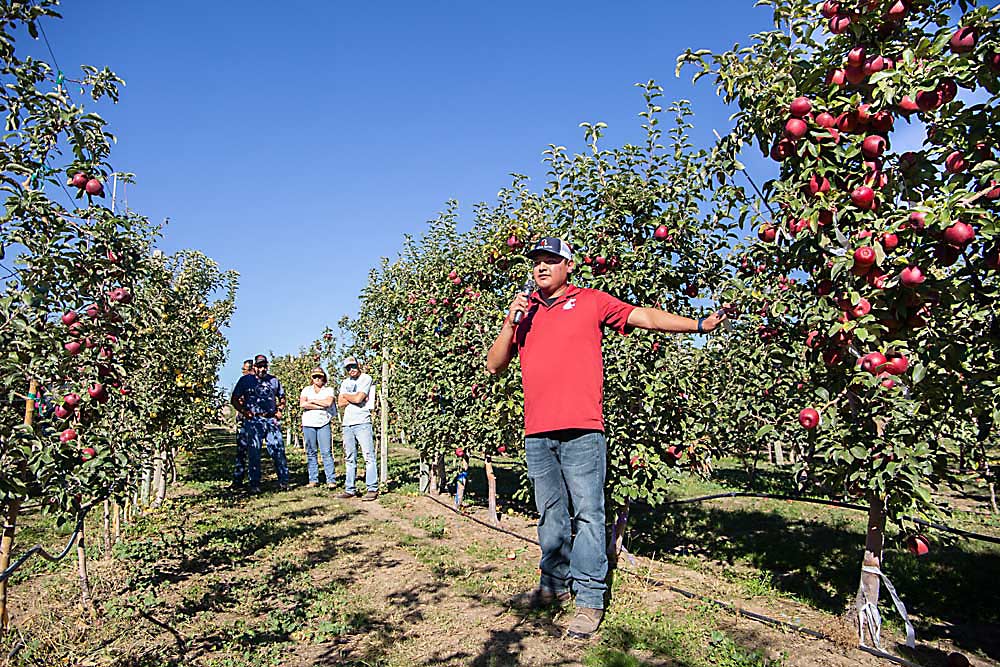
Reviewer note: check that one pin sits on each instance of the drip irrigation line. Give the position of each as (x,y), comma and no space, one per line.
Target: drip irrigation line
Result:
(739,611)
(834,503)
(40,550)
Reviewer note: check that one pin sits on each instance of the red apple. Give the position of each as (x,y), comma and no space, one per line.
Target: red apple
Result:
(795,128)
(855,74)
(911,276)
(917,220)
(826,120)
(836,77)
(98,392)
(876,278)
(800,107)
(767,233)
(946,89)
(94,187)
(882,121)
(956,659)
(946,254)
(459,452)
(73,347)
(896,365)
(818,184)
(69,317)
(889,241)
(809,418)
(87,453)
(991,257)
(79,180)
(959,234)
(71,400)
(829,9)
(839,24)
(873,146)
(61,412)
(963,40)
(67,436)
(928,100)
(994,61)
(872,362)
(785,148)
(863,197)
(907,105)
(860,309)
(675,452)
(897,11)
(955,162)
(661,232)
(451,276)
(824,287)
(864,256)
(513,242)
(918,545)
(856,56)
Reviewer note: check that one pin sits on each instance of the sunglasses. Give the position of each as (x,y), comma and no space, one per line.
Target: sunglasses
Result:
(260,364)
(350,367)
(322,377)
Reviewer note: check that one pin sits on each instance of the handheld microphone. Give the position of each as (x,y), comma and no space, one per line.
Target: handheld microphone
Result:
(528,288)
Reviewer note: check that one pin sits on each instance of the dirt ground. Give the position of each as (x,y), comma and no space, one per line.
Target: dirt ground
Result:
(303,578)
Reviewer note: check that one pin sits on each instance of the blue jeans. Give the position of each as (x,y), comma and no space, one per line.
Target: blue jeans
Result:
(354,435)
(318,438)
(567,470)
(254,434)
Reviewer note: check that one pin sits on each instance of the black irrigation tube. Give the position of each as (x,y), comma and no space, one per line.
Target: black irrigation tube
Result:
(835,503)
(40,550)
(761,618)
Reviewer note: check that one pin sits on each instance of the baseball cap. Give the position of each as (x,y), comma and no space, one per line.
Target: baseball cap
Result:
(259,359)
(349,361)
(553,245)
(318,371)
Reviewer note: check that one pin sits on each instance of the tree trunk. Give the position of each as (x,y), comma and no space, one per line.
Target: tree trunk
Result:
(463,476)
(440,473)
(161,484)
(491,482)
(81,557)
(779,458)
(117,514)
(868,590)
(144,486)
(6,548)
(106,534)
(426,476)
(617,536)
(157,475)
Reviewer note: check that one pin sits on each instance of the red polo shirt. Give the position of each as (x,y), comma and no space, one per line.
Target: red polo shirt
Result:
(561,363)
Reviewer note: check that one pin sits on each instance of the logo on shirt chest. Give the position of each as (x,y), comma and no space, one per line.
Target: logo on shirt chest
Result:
(570,303)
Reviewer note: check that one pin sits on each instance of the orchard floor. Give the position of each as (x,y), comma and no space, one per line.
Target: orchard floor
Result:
(301,578)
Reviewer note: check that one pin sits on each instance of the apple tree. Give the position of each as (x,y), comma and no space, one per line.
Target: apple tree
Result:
(882,117)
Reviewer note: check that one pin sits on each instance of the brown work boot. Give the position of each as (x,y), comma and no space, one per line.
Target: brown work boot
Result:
(540,598)
(584,623)
(370,496)
(347,495)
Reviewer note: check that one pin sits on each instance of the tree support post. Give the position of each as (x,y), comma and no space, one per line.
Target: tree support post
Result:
(384,418)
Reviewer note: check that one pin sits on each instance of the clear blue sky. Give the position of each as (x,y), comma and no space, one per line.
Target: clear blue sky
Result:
(297,142)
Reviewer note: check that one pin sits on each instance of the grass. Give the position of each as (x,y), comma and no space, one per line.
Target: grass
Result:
(244,581)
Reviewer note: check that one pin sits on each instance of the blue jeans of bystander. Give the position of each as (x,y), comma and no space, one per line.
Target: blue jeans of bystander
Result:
(317,439)
(359,434)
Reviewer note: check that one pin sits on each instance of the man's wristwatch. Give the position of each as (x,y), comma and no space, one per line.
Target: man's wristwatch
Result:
(701,321)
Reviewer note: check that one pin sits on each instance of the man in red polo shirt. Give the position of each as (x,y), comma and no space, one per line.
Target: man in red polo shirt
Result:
(558,339)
